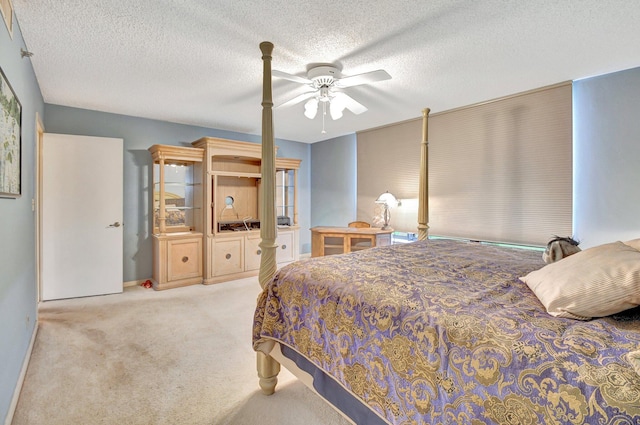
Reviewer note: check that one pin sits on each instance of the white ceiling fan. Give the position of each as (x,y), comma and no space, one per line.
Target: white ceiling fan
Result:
(325,82)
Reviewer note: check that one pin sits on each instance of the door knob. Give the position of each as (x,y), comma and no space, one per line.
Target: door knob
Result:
(116,224)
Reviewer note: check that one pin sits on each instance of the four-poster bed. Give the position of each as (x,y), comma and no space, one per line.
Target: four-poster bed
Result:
(441,331)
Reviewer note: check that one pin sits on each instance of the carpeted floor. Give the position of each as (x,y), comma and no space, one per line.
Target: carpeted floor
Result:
(180,356)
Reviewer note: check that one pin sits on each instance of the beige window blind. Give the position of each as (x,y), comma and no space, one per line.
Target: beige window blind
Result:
(502,170)
(389,160)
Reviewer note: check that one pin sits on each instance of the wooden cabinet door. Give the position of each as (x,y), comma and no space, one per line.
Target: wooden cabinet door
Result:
(285,253)
(252,253)
(228,256)
(383,240)
(184,258)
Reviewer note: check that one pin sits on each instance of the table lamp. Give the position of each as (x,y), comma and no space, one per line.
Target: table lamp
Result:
(388,201)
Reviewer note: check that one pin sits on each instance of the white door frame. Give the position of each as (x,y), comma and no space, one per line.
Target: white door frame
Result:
(36,203)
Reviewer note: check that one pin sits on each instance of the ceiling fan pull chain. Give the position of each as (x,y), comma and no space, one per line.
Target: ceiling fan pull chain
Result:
(324,114)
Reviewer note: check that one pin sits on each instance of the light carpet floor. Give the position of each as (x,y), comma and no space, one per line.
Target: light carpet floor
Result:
(180,356)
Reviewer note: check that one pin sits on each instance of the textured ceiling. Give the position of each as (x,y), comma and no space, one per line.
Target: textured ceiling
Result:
(198,62)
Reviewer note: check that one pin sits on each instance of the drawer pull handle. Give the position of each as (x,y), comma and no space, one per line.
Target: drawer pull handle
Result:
(284,247)
(259,252)
(228,256)
(185,259)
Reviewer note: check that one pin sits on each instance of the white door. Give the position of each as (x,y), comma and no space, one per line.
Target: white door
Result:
(81,216)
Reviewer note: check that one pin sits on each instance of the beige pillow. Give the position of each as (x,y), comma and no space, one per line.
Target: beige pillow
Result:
(635,243)
(596,282)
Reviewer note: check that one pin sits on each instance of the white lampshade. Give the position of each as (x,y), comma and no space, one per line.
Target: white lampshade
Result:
(388,199)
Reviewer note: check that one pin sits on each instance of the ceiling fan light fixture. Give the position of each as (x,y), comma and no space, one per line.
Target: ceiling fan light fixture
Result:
(311,108)
(323,80)
(324,94)
(335,108)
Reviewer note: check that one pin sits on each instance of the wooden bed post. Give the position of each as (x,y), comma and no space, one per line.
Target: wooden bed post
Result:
(268,167)
(268,368)
(423,197)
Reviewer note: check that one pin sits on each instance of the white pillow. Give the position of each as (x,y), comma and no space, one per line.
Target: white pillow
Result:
(596,282)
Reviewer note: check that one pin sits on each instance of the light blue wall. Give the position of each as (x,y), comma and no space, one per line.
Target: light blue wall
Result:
(18,292)
(333,181)
(139,134)
(607,158)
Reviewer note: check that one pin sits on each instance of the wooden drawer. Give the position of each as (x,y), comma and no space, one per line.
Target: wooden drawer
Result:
(184,258)
(227,256)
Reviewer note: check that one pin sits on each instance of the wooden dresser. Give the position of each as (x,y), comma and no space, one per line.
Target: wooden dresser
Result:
(340,240)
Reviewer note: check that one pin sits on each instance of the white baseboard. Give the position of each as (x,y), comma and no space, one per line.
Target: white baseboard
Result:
(23,373)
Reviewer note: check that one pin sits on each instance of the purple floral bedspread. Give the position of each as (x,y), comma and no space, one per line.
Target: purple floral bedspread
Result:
(443,332)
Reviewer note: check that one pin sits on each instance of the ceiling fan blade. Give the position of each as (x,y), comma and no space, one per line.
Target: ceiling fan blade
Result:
(366,78)
(299,98)
(350,103)
(290,77)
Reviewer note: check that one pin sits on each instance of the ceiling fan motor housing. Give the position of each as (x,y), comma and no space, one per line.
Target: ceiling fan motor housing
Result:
(323,76)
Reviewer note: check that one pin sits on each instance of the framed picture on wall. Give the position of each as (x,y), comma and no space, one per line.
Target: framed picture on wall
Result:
(10,140)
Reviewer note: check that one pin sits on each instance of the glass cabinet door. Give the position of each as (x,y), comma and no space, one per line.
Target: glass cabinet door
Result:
(180,190)
(285,197)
